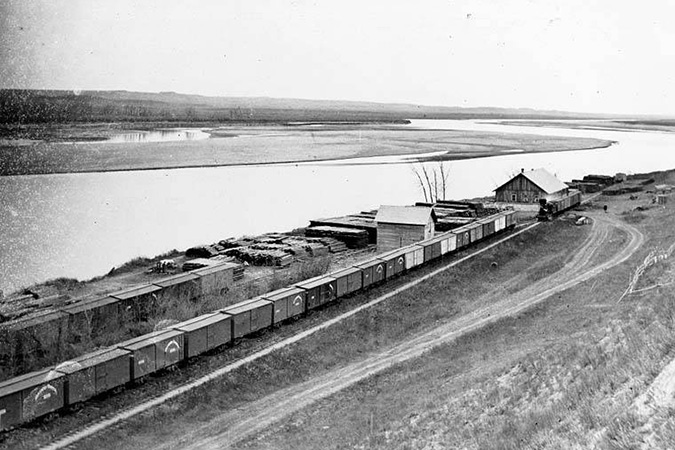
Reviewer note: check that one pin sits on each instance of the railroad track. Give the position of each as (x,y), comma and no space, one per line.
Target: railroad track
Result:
(259,419)
(233,427)
(83,435)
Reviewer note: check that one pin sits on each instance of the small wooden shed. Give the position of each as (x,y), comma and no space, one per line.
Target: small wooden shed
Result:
(398,226)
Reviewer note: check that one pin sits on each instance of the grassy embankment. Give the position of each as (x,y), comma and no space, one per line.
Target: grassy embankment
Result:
(446,296)
(45,347)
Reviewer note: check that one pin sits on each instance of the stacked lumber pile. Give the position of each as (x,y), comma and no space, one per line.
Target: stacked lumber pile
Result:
(334,245)
(260,257)
(202,251)
(197,263)
(317,249)
(352,237)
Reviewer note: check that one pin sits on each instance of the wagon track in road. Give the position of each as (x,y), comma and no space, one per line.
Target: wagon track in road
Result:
(119,417)
(254,418)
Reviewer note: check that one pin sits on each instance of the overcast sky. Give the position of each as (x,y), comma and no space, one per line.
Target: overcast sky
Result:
(578,55)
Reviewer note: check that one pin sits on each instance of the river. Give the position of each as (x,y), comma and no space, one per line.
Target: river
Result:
(82,225)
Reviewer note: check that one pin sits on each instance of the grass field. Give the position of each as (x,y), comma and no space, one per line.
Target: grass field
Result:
(265,145)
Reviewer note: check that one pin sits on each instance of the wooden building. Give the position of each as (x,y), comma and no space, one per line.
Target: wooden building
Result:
(398,226)
(530,187)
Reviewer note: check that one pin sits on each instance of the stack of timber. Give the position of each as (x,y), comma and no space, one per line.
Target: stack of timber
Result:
(238,272)
(586,187)
(353,238)
(334,245)
(197,263)
(317,249)
(624,188)
(261,257)
(365,220)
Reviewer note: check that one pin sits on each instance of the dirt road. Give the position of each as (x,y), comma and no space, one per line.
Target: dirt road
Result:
(234,426)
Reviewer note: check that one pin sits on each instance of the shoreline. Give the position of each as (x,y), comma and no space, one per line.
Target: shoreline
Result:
(412,159)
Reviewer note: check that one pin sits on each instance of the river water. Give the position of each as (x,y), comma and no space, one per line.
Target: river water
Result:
(82,225)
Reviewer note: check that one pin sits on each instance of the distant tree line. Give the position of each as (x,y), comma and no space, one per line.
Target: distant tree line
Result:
(35,107)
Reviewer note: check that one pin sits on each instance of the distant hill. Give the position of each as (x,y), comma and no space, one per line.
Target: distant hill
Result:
(51,106)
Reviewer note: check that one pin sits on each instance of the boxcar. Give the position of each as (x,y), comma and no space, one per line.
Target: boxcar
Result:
(500,223)
(488,227)
(395,261)
(183,287)
(98,315)
(154,351)
(250,316)
(215,280)
(140,301)
(204,333)
(463,237)
(432,248)
(373,271)
(42,332)
(347,280)
(414,256)
(449,243)
(510,218)
(476,231)
(319,290)
(288,302)
(30,396)
(94,373)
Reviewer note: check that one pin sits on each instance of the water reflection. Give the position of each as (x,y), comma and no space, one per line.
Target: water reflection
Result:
(160,136)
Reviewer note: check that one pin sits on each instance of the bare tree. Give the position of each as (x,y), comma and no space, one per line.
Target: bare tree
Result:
(433,180)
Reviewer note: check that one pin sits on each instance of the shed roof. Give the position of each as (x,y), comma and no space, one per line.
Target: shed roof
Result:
(407,215)
(543,179)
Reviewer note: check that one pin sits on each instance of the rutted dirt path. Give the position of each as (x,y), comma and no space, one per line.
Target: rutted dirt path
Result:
(234,426)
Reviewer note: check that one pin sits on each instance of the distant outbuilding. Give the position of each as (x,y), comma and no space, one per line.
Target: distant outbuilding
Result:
(402,225)
(530,187)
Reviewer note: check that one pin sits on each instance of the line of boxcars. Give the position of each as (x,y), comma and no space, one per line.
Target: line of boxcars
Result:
(40,393)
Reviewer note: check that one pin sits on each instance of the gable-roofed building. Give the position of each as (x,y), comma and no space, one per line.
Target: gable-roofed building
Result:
(530,187)
(402,225)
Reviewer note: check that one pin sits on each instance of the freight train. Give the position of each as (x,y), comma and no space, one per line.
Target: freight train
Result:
(550,208)
(57,389)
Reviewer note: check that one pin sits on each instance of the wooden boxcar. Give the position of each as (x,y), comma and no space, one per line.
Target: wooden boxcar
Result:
(373,271)
(488,227)
(476,231)
(140,301)
(44,332)
(288,302)
(182,288)
(347,280)
(30,396)
(94,373)
(204,333)
(395,261)
(215,280)
(319,290)
(432,248)
(463,237)
(154,351)
(98,315)
(414,256)
(250,316)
